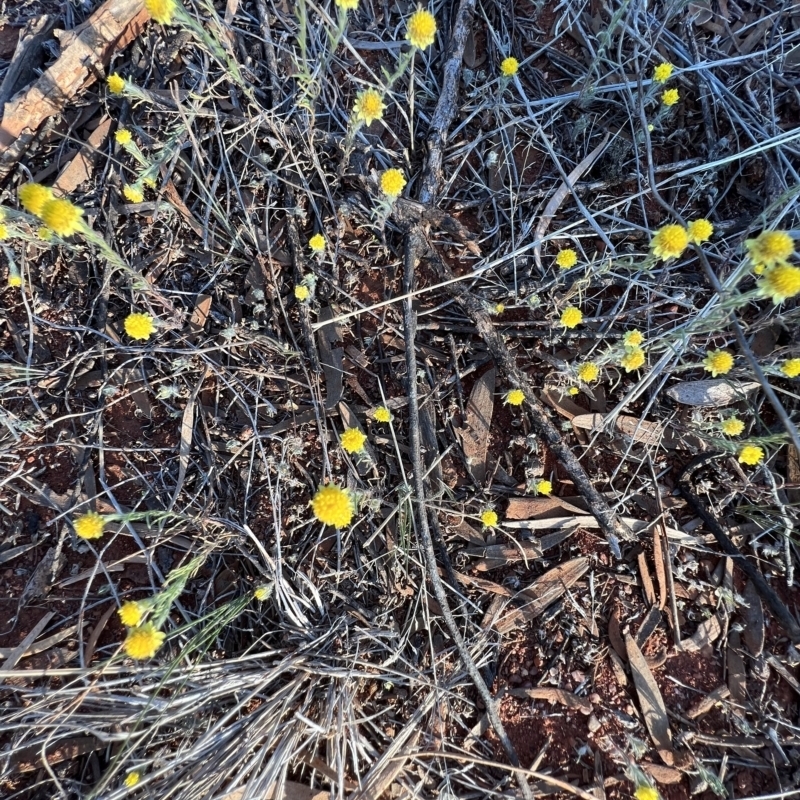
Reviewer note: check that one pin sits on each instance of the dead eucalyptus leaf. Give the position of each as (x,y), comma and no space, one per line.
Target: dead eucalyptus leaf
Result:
(475,434)
(707,632)
(753,614)
(640,430)
(711,393)
(554,695)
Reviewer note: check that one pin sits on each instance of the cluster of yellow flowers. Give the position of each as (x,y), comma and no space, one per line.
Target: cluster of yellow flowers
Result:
(634,357)
(671,240)
(661,74)
(58,215)
(769,254)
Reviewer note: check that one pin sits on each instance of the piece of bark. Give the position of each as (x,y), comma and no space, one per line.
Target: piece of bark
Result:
(28,56)
(81,167)
(475,434)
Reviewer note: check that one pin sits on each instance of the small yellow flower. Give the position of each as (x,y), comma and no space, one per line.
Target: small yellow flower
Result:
(751,454)
(133,193)
(573,390)
(131,779)
(62,217)
(790,368)
(3,231)
(301,293)
(509,66)
(663,72)
(588,372)
(333,506)
(633,359)
(368,107)
(162,11)
(347,5)
(382,414)
(15,281)
(646,792)
(131,613)
(516,397)
(421,30)
(33,196)
(139,326)
(544,487)
(89,525)
(567,258)
(780,282)
(670,97)
(392,182)
(498,308)
(571,317)
(768,248)
(262,592)
(317,242)
(489,518)
(718,362)
(115,83)
(632,339)
(732,426)
(123,136)
(352,440)
(699,231)
(143,641)
(669,242)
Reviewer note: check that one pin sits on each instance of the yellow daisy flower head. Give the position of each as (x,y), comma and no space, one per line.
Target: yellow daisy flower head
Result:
(333,506)
(544,487)
(644,792)
(489,518)
(768,248)
(301,293)
(790,368)
(633,359)
(573,390)
(369,106)
(115,83)
(162,11)
(509,66)
(131,613)
(382,414)
(89,525)
(516,397)
(123,136)
(669,242)
(567,258)
(139,326)
(131,779)
(421,30)
(632,339)
(15,281)
(718,362)
(498,308)
(33,196)
(780,282)
(62,217)
(732,426)
(143,641)
(670,97)
(317,242)
(392,182)
(133,193)
(352,440)
(262,592)
(699,231)
(347,5)
(751,454)
(571,317)
(663,72)
(588,372)
(3,231)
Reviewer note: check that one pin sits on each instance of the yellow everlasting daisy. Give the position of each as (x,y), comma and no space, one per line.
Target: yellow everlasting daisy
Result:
(89,525)
(699,231)
(133,193)
(646,793)
(732,426)
(663,72)
(123,136)
(633,359)
(139,326)
(509,66)
(131,779)
(317,242)
(115,83)
(301,293)
(162,11)
(573,390)
(131,613)
(571,317)
(62,217)
(143,641)
(780,282)
(3,232)
(751,454)
(15,281)
(544,487)
(421,30)
(347,5)
(352,440)
(670,97)
(588,372)
(382,414)
(489,518)
(33,196)
(669,242)
(262,592)
(718,362)
(567,258)
(333,506)
(392,182)
(369,106)
(768,248)
(790,368)
(632,339)
(516,397)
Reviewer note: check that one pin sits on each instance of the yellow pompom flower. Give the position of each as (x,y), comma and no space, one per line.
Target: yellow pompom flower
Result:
(333,506)
(15,281)
(544,487)
(131,613)
(509,66)
(790,368)
(571,317)
(131,779)
(347,5)
(699,231)
(573,390)
(644,792)
(751,454)
(123,136)
(421,30)
(632,339)
(633,359)
(143,641)
(89,525)
(62,217)
(489,518)
(3,231)
(669,242)
(133,193)
(780,282)
(115,83)
(732,426)
(382,414)
(33,196)
(162,11)
(301,293)
(352,440)
(567,258)
(317,242)
(139,326)
(588,372)
(670,97)
(262,592)
(498,308)
(516,397)
(368,107)
(392,182)
(718,362)
(663,72)
(768,248)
